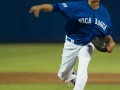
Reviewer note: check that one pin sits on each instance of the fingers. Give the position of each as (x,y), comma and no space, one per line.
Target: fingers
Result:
(36,13)
(112,45)
(30,10)
(34,10)
(109,50)
(108,47)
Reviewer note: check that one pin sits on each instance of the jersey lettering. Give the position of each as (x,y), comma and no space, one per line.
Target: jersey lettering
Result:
(100,23)
(64,5)
(85,20)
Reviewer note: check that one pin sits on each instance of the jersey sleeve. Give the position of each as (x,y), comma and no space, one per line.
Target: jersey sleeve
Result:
(55,8)
(67,9)
(109,31)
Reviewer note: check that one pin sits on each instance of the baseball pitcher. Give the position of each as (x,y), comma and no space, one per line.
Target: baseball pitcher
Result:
(88,24)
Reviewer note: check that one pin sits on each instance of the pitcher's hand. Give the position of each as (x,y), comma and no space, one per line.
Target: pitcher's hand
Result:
(35,10)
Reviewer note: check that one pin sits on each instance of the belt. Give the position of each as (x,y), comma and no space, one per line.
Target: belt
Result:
(75,42)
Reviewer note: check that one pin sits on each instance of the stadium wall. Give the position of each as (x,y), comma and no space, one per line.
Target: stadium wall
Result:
(18,25)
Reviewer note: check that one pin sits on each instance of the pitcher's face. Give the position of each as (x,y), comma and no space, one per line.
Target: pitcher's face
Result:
(94,3)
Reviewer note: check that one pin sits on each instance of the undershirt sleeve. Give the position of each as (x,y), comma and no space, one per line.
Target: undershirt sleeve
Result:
(55,8)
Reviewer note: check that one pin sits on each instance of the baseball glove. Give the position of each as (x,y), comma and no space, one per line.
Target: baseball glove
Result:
(100,44)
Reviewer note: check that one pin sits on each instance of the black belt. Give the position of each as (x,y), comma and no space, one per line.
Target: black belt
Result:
(74,41)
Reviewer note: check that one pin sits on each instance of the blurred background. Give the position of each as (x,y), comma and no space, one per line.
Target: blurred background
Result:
(18,25)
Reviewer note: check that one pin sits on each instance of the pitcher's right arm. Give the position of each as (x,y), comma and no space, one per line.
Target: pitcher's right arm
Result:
(44,7)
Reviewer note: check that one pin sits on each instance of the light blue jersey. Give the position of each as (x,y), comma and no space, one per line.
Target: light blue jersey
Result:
(82,22)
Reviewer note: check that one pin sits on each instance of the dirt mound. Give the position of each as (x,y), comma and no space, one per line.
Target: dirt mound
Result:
(26,78)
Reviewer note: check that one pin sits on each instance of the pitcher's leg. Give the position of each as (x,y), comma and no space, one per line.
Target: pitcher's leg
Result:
(69,56)
(66,69)
(82,73)
(84,58)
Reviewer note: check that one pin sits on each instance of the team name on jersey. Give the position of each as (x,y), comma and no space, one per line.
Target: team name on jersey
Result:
(101,24)
(97,22)
(85,20)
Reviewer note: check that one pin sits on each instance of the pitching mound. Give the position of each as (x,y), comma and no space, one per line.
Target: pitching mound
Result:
(34,78)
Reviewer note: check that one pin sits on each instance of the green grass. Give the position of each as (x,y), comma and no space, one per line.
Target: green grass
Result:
(102,87)
(30,57)
(105,62)
(56,87)
(47,58)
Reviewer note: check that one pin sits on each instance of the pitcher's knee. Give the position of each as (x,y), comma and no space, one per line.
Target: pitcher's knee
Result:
(62,76)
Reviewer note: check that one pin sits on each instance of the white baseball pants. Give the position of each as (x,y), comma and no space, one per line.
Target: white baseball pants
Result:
(70,53)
